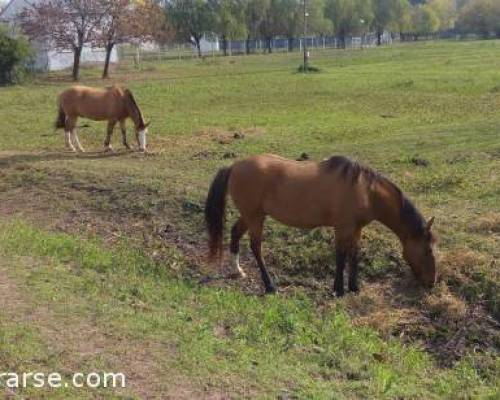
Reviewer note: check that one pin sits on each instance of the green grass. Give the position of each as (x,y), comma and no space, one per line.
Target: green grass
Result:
(435,101)
(259,346)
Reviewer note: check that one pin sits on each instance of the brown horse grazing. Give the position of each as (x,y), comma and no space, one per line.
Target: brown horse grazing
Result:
(336,192)
(113,104)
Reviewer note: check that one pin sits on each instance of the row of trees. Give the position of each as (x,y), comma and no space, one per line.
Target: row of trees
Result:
(265,19)
(71,24)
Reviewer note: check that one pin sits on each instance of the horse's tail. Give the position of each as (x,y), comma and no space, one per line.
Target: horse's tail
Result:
(215,209)
(61,118)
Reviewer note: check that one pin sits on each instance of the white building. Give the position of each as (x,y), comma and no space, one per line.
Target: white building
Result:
(47,57)
(208,44)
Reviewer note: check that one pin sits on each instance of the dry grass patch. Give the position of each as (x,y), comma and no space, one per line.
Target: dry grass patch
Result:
(487,224)
(443,304)
(458,265)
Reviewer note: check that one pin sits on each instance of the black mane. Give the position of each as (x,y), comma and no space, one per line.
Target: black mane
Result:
(131,97)
(351,170)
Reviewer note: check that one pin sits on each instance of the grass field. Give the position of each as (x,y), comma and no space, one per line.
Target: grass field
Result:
(102,256)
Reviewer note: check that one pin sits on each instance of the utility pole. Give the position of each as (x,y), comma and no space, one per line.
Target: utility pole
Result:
(306,52)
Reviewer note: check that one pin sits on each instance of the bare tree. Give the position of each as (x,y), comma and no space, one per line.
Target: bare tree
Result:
(126,21)
(66,24)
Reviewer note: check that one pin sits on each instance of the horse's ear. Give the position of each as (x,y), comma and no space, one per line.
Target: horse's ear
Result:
(429,224)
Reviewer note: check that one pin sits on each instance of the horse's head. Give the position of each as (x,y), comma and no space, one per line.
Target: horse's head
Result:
(141,132)
(419,253)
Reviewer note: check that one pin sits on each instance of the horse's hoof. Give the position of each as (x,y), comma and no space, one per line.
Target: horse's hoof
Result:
(354,289)
(271,290)
(339,293)
(108,149)
(234,275)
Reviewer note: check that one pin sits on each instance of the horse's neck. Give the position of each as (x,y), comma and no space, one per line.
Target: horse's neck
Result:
(387,205)
(134,112)
(137,117)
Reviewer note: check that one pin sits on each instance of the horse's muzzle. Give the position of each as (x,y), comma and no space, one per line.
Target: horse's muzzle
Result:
(142,140)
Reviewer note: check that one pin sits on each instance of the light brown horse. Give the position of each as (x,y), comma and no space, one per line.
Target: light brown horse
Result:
(113,104)
(336,192)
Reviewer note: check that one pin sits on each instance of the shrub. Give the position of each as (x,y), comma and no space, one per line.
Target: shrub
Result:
(15,54)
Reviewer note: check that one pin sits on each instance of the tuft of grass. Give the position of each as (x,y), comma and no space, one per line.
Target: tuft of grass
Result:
(309,69)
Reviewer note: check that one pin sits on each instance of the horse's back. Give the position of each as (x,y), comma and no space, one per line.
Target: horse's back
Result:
(296,193)
(92,103)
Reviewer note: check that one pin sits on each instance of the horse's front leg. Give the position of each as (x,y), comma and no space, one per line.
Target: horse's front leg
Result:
(340,259)
(109,133)
(353,270)
(123,128)
(353,262)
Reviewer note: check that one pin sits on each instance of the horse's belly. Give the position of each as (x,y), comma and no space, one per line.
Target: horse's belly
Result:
(97,116)
(306,217)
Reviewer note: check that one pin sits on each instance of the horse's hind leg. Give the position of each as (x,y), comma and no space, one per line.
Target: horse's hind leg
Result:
(74,135)
(256,244)
(238,230)
(353,263)
(123,128)
(109,133)
(69,125)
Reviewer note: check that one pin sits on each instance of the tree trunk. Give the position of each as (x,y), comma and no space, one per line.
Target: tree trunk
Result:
(247,45)
(342,40)
(379,36)
(109,50)
(270,45)
(224,45)
(77,54)
(198,47)
(291,43)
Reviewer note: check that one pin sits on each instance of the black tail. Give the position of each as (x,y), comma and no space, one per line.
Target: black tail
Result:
(215,209)
(61,119)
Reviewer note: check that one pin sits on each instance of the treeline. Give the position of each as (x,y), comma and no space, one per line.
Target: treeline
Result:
(267,19)
(73,24)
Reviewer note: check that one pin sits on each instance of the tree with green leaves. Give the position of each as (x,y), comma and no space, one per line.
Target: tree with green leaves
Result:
(15,53)
(387,13)
(446,12)
(317,22)
(281,18)
(424,20)
(230,20)
(255,14)
(349,16)
(191,19)
(481,17)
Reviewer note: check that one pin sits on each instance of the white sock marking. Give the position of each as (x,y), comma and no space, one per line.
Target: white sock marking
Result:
(236,263)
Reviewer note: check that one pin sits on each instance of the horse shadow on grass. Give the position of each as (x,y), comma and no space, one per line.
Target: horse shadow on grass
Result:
(11,160)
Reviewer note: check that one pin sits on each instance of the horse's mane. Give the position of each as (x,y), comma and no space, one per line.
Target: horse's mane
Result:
(131,99)
(351,170)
